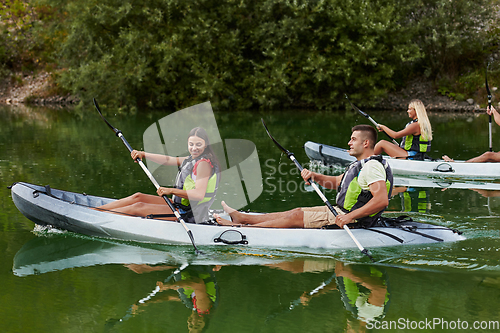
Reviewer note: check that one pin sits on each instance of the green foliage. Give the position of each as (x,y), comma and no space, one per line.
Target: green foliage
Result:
(237,54)
(136,54)
(23,44)
(450,34)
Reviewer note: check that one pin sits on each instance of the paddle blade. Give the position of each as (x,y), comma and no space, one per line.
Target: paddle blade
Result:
(275,142)
(487,87)
(355,108)
(100,113)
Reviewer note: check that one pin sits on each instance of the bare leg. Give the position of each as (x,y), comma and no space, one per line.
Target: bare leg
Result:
(144,209)
(489,156)
(390,149)
(290,219)
(242,218)
(139,204)
(134,198)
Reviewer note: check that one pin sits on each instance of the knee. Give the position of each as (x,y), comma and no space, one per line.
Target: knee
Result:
(138,197)
(296,214)
(137,208)
(490,156)
(380,146)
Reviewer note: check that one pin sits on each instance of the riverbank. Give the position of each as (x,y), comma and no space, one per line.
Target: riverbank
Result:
(37,90)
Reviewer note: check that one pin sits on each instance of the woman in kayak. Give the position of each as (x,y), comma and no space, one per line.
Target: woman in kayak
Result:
(196,184)
(417,135)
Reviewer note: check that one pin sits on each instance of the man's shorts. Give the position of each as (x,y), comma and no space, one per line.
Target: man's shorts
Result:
(319,216)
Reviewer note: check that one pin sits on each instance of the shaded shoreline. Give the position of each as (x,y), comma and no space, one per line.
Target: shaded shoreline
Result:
(35,91)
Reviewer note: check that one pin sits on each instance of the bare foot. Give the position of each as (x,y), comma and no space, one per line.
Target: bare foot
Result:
(235,215)
(447,158)
(227,209)
(223,221)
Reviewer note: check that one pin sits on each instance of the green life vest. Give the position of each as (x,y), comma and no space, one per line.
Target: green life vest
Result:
(187,294)
(355,295)
(351,196)
(415,200)
(195,211)
(414,142)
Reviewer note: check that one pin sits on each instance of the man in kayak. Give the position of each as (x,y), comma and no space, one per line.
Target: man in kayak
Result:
(489,156)
(363,192)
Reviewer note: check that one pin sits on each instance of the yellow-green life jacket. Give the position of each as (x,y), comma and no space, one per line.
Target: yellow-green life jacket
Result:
(351,196)
(195,211)
(414,142)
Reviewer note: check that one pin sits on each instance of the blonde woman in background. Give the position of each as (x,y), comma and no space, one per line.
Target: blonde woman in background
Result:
(417,135)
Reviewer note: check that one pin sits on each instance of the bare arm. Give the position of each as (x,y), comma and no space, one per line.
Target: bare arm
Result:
(158,158)
(201,184)
(413,129)
(330,182)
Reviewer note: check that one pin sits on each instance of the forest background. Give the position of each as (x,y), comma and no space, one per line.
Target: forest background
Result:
(261,54)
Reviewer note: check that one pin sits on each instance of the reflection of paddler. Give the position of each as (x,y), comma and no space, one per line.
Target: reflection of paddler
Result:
(364,291)
(196,289)
(363,288)
(413,199)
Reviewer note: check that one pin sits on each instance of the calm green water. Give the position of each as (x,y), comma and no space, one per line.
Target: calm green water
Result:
(61,282)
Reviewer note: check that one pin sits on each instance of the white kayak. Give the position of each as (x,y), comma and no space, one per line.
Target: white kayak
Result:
(72,211)
(330,155)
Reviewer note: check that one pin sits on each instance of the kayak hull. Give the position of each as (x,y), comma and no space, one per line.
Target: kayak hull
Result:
(330,155)
(73,212)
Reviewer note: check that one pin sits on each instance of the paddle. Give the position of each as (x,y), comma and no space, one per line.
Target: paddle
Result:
(291,156)
(150,176)
(355,108)
(129,313)
(489,106)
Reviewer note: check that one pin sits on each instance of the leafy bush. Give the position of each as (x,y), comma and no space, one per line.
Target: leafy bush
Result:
(133,54)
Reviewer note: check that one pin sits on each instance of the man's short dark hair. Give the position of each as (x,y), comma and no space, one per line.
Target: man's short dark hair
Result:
(369,133)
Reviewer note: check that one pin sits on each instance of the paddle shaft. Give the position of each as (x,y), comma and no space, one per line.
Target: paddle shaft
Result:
(376,125)
(489,107)
(371,119)
(155,183)
(491,140)
(157,289)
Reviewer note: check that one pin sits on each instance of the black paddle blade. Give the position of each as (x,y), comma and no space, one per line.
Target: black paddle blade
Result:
(355,108)
(100,113)
(274,140)
(487,87)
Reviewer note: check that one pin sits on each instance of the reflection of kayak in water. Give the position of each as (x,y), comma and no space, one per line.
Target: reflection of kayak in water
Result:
(71,211)
(58,252)
(47,254)
(441,183)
